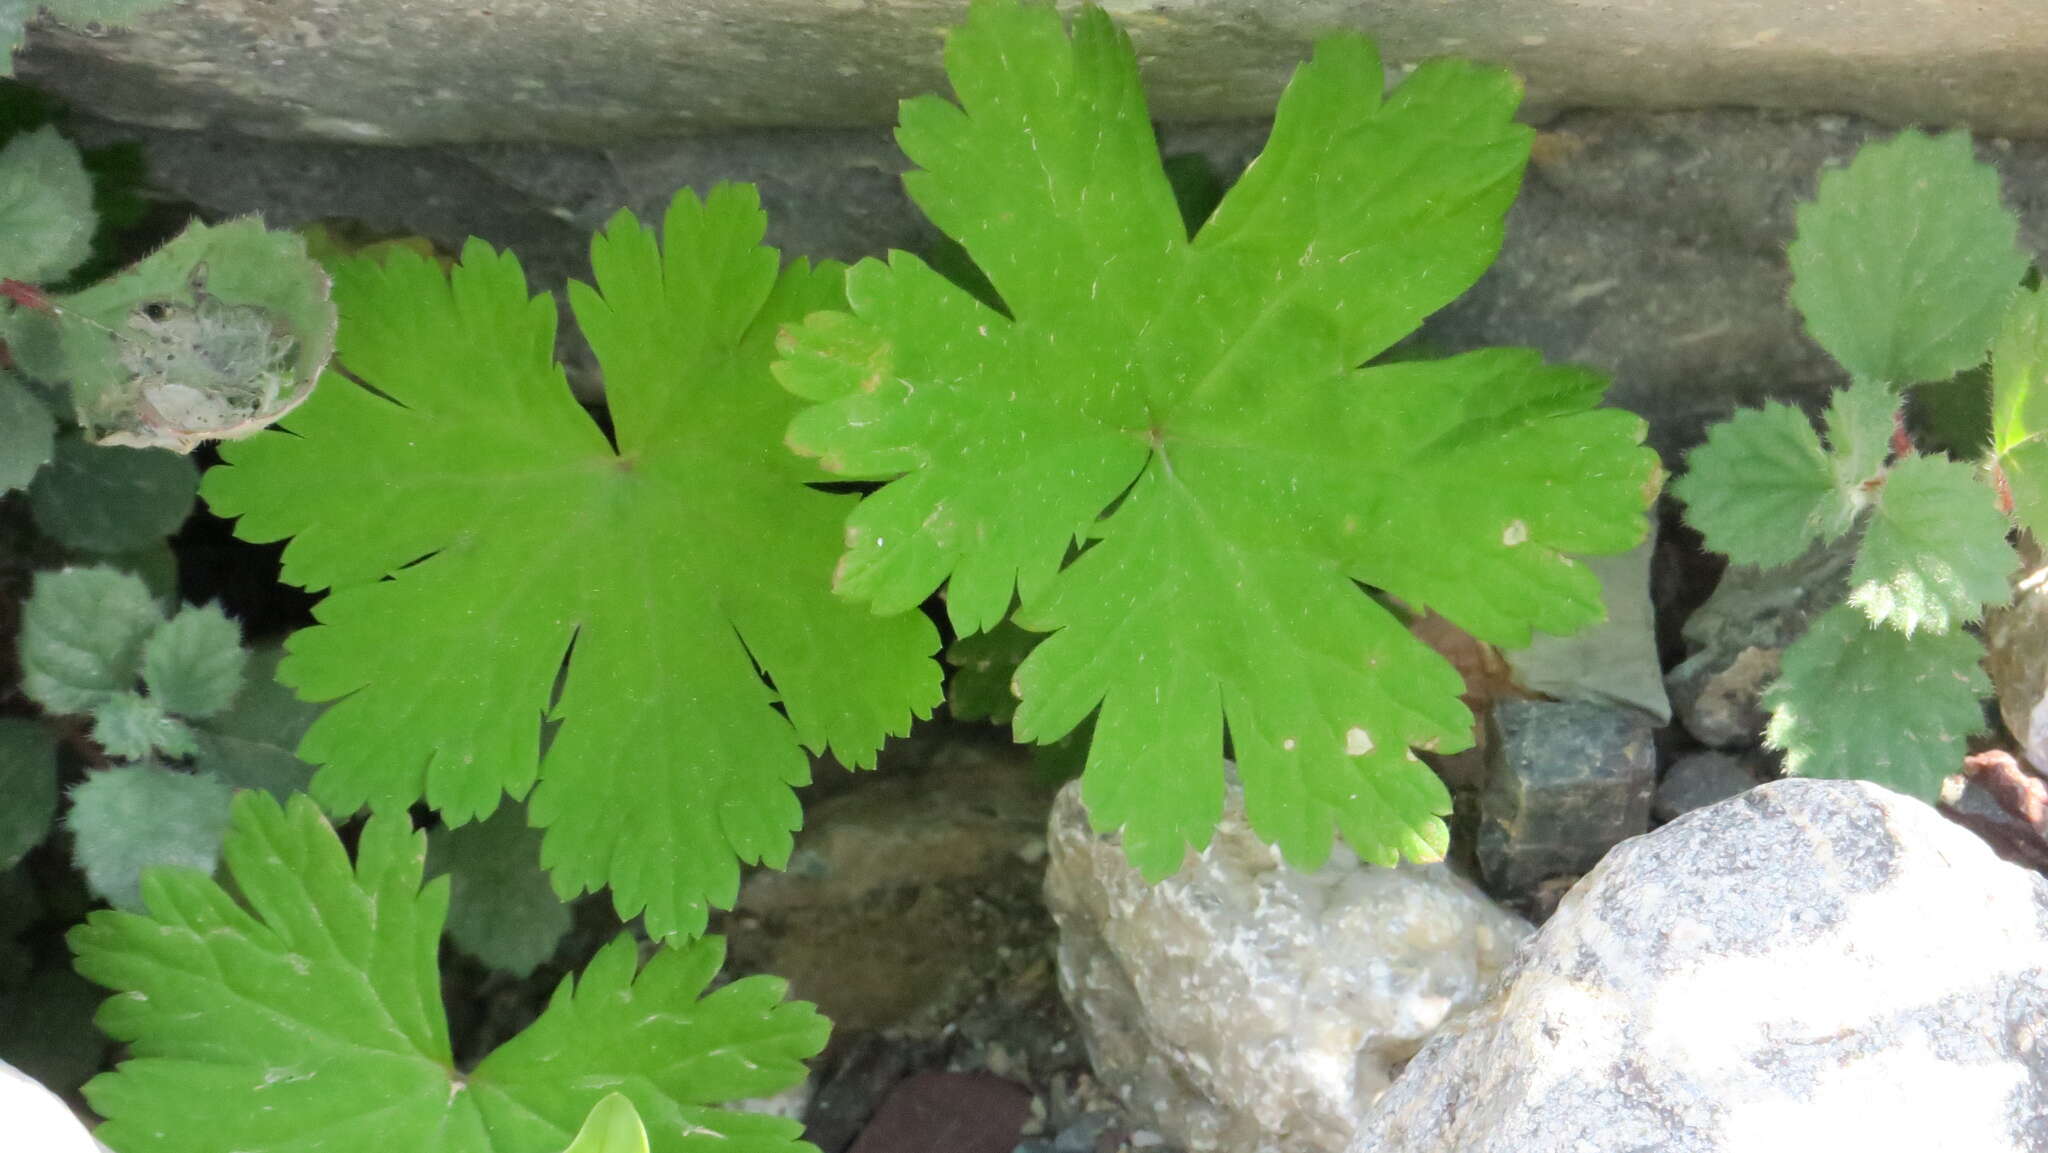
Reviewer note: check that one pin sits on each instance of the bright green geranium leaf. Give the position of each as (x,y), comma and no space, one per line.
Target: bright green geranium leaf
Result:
(112,500)
(28,434)
(1856,700)
(82,636)
(612,1127)
(1211,386)
(212,336)
(128,819)
(1906,258)
(46,217)
(317,1007)
(193,664)
(132,727)
(1763,487)
(2019,407)
(678,567)
(501,909)
(28,787)
(1935,552)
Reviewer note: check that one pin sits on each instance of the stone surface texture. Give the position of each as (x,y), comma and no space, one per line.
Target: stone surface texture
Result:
(2016,642)
(902,891)
(1248,1007)
(1735,639)
(569,70)
(1696,780)
(1566,781)
(1613,662)
(1811,965)
(1648,246)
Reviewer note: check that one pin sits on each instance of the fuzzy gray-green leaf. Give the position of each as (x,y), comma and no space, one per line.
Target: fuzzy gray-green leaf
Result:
(46,217)
(28,434)
(133,727)
(127,819)
(193,664)
(112,500)
(1935,553)
(1905,260)
(82,636)
(1861,701)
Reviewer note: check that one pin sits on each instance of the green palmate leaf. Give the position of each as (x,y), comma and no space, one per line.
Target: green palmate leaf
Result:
(317,1008)
(28,434)
(680,566)
(82,636)
(1935,552)
(193,663)
(612,1127)
(128,819)
(28,787)
(1905,260)
(1763,487)
(2019,407)
(1855,700)
(501,909)
(213,336)
(1207,390)
(46,217)
(112,500)
(133,727)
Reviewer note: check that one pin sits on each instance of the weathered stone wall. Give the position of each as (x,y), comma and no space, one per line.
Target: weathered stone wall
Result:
(412,71)
(1648,244)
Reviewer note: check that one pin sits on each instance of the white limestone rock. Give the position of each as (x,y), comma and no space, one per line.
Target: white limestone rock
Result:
(1247,1007)
(1810,965)
(34,1119)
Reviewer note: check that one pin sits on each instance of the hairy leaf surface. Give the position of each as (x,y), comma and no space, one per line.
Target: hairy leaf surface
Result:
(307,1015)
(1935,552)
(127,819)
(474,527)
(1206,394)
(82,637)
(193,663)
(46,216)
(111,499)
(1905,259)
(1859,700)
(28,433)
(1763,487)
